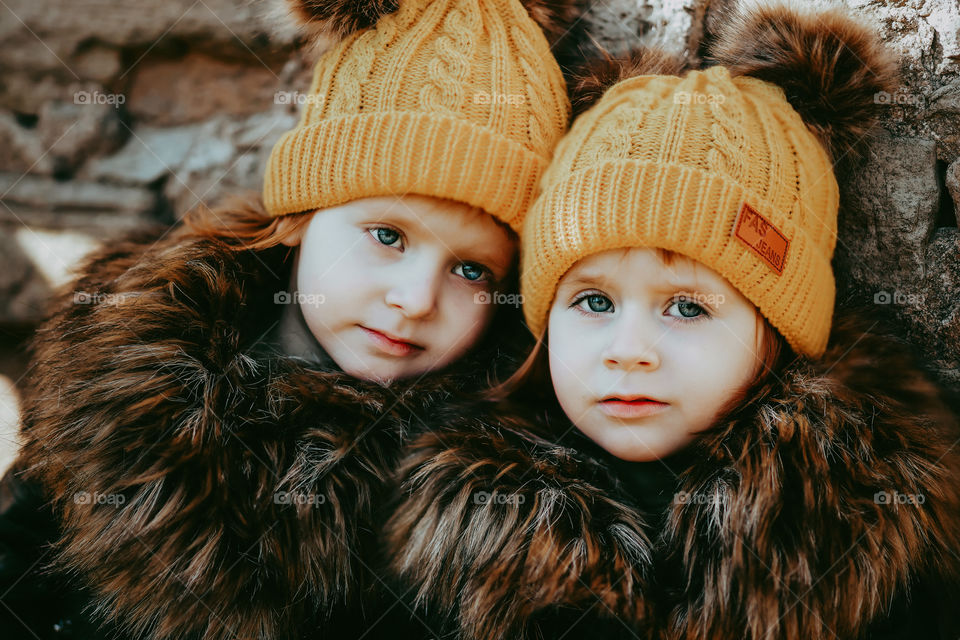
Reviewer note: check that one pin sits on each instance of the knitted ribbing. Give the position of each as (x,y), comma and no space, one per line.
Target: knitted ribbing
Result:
(720,169)
(458,99)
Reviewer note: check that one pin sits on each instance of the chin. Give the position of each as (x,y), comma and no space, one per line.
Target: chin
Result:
(633,455)
(381,375)
(359,369)
(361,374)
(636,449)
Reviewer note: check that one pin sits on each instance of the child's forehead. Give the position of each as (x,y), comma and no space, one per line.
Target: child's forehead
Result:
(652,264)
(427,214)
(415,205)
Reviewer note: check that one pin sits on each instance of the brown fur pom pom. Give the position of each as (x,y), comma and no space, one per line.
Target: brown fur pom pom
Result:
(558,18)
(830,67)
(592,78)
(339,17)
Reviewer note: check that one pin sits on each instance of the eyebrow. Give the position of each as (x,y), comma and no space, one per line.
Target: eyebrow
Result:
(688,282)
(704,282)
(587,279)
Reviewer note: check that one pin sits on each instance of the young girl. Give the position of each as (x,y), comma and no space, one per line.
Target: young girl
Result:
(730,457)
(206,412)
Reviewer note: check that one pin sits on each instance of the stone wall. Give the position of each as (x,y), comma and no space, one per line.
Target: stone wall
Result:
(126,112)
(127,115)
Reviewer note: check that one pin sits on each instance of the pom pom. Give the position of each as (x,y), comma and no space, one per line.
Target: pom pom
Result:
(830,68)
(592,78)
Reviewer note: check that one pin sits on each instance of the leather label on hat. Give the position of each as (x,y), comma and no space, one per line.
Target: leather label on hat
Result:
(759,234)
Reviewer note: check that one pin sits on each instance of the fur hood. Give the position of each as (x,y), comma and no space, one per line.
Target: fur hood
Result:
(830,493)
(205,485)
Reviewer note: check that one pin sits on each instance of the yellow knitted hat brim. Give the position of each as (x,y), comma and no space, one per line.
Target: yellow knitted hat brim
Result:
(360,156)
(626,203)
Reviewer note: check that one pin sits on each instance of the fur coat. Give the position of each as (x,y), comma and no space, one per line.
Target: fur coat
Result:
(203,484)
(825,506)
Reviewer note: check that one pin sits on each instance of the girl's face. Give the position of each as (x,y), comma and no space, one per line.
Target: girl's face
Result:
(397,286)
(644,355)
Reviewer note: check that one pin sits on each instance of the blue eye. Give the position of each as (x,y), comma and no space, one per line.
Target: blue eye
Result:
(470,271)
(689,310)
(385,235)
(596,303)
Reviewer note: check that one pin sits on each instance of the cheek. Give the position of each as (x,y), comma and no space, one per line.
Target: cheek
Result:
(569,360)
(335,276)
(717,364)
(576,344)
(735,354)
(566,387)
(462,320)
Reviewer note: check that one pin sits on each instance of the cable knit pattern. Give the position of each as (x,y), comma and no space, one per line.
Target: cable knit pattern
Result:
(728,139)
(535,93)
(356,62)
(447,70)
(457,99)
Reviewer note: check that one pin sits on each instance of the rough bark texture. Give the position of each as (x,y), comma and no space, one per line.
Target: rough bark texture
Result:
(137,111)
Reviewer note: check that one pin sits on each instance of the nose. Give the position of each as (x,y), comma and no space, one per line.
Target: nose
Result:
(633,345)
(415,289)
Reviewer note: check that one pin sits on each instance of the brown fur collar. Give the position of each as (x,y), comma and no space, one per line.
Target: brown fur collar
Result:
(206,488)
(779,534)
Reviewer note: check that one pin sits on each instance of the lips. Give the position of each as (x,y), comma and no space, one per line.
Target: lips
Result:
(631,406)
(391,344)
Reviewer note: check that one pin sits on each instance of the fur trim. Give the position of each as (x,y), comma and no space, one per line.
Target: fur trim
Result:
(829,66)
(339,17)
(589,80)
(794,542)
(559,19)
(782,536)
(205,488)
(497,529)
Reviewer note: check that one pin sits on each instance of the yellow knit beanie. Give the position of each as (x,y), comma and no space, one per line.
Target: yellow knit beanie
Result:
(458,99)
(719,168)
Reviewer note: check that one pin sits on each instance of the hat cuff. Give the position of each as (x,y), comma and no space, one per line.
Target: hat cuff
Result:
(398,153)
(627,203)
